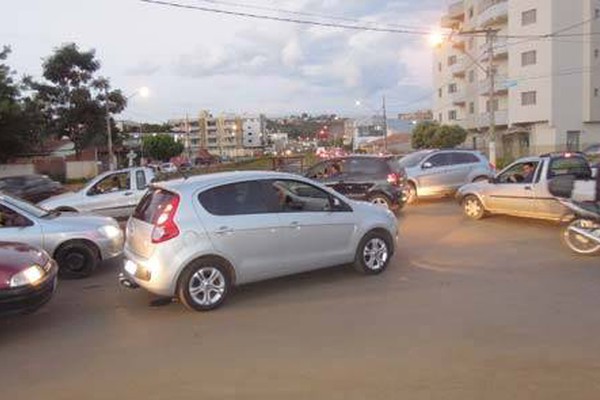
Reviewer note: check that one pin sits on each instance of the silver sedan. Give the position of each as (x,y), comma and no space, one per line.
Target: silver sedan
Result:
(78,242)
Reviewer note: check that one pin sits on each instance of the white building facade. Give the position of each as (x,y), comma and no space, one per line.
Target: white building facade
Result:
(546,66)
(253,131)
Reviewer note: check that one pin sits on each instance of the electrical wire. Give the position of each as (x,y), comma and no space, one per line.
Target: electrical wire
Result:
(286,19)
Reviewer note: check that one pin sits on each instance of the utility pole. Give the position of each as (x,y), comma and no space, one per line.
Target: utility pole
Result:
(491,39)
(385,128)
(188,144)
(111,156)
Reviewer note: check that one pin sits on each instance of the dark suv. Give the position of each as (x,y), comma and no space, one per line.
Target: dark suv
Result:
(368,178)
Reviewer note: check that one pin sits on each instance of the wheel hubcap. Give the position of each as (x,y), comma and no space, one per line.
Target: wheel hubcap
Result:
(75,261)
(375,254)
(207,286)
(472,208)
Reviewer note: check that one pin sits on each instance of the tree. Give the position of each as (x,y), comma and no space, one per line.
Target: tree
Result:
(423,135)
(74,99)
(449,136)
(162,147)
(431,135)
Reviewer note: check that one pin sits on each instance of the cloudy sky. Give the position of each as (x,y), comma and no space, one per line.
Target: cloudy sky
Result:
(193,60)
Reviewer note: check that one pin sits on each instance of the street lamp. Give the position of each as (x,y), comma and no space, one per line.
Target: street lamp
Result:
(143,92)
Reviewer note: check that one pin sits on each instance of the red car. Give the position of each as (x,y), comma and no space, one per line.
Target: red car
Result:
(27,278)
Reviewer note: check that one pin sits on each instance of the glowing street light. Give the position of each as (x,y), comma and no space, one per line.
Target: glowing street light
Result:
(435,39)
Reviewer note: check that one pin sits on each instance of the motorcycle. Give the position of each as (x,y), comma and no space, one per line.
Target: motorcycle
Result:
(582,235)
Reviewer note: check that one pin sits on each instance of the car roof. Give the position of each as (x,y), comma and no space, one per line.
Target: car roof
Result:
(207,180)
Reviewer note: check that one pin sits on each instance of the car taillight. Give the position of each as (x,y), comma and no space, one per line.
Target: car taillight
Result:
(394,179)
(165,227)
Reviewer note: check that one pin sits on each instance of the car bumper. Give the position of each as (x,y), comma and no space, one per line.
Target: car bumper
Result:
(29,298)
(149,274)
(110,248)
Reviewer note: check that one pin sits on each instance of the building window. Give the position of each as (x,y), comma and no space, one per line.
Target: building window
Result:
(471,13)
(596,92)
(452,60)
(496,105)
(528,58)
(528,17)
(471,76)
(452,115)
(573,140)
(597,14)
(440,67)
(440,93)
(471,108)
(529,98)
(452,88)
(474,139)
(596,53)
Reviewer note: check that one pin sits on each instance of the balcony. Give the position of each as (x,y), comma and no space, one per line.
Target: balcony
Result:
(458,98)
(493,12)
(500,117)
(459,67)
(456,14)
(500,49)
(499,86)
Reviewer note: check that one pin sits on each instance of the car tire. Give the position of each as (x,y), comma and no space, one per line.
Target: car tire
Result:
(76,260)
(373,253)
(204,285)
(381,200)
(579,244)
(472,207)
(411,193)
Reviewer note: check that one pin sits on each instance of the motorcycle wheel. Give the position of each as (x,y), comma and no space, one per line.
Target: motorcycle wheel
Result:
(579,243)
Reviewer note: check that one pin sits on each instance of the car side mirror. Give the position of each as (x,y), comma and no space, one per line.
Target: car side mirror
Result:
(427,165)
(334,203)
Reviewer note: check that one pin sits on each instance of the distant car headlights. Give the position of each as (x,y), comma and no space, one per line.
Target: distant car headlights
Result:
(30,276)
(110,231)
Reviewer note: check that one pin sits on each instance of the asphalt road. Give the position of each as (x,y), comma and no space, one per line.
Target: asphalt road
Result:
(495,309)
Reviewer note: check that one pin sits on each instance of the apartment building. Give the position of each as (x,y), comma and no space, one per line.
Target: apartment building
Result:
(230,135)
(253,128)
(546,68)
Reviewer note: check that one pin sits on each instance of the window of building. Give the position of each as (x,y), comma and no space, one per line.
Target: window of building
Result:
(596,92)
(452,60)
(440,92)
(528,58)
(452,116)
(474,141)
(471,76)
(471,13)
(487,105)
(440,67)
(452,88)
(597,14)
(440,117)
(529,17)
(529,98)
(596,53)
(573,140)
(471,108)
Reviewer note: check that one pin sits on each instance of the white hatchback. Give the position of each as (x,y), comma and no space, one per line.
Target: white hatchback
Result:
(196,238)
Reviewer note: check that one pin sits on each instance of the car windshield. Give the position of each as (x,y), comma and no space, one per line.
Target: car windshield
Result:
(25,206)
(413,159)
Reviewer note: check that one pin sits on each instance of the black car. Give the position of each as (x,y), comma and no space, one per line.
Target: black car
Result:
(368,178)
(33,188)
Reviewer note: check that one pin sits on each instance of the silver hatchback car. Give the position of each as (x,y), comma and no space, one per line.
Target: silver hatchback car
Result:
(439,173)
(196,238)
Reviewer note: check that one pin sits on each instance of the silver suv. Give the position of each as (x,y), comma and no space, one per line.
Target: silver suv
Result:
(439,173)
(196,238)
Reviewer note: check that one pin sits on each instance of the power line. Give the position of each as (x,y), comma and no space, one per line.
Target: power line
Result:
(303,13)
(285,19)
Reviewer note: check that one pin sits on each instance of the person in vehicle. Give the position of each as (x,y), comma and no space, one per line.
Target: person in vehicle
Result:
(528,170)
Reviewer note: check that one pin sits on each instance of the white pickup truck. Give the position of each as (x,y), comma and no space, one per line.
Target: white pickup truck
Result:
(114,194)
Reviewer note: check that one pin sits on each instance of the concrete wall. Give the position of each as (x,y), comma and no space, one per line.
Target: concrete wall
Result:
(81,169)
(16,169)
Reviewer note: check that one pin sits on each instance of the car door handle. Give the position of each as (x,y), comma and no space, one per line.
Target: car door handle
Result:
(224,230)
(127,193)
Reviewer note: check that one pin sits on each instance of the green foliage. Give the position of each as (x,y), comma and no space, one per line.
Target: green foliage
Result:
(74,99)
(430,135)
(423,134)
(162,147)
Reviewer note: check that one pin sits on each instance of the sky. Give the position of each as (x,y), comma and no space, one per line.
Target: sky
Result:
(193,60)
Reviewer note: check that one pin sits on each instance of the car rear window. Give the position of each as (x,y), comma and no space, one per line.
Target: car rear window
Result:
(152,205)
(366,166)
(241,198)
(576,166)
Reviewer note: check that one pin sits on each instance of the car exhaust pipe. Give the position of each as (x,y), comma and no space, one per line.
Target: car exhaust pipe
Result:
(584,233)
(126,282)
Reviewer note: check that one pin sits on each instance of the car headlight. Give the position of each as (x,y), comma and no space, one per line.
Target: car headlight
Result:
(110,231)
(31,276)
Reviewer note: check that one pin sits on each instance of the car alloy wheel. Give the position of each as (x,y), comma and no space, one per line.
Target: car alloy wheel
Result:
(375,254)
(204,285)
(473,208)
